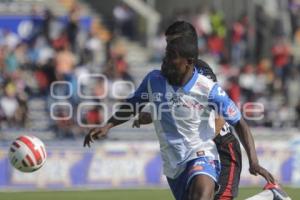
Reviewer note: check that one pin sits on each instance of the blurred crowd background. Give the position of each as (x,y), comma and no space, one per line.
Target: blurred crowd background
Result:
(253,49)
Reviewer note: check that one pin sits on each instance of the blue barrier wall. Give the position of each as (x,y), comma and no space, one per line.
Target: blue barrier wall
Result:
(132,164)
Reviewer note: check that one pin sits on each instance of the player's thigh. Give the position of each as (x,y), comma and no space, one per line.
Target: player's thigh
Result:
(231,165)
(202,187)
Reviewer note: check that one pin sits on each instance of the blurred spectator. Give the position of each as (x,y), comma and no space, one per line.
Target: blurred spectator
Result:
(293,88)
(122,68)
(262,32)
(265,77)
(37,23)
(238,42)
(21,54)
(158,47)
(10,39)
(216,40)
(94,116)
(64,61)
(63,125)
(99,89)
(94,49)
(218,23)
(72,28)
(297,109)
(296,47)
(9,103)
(124,19)
(278,28)
(202,22)
(281,53)
(47,24)
(294,10)
(285,116)
(61,41)
(247,82)
(11,62)
(234,90)
(216,45)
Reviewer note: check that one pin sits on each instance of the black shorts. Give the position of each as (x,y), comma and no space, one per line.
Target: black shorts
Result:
(231,166)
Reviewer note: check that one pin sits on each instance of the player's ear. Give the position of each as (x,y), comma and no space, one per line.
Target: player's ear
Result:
(190,61)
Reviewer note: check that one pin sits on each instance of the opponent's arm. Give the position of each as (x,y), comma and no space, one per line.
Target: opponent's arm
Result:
(246,138)
(228,110)
(219,123)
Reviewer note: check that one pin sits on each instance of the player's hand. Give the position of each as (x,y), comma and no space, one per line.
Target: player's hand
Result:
(94,134)
(136,123)
(257,169)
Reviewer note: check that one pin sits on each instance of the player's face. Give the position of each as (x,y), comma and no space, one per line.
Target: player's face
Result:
(174,67)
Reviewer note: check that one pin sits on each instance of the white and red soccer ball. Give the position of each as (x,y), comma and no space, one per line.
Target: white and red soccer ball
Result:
(27,153)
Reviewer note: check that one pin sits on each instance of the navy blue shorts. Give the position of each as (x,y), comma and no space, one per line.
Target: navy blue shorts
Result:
(202,165)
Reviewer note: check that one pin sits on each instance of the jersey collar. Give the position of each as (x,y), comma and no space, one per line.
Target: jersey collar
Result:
(188,86)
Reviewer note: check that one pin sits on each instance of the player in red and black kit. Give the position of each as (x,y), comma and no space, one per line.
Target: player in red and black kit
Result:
(228,148)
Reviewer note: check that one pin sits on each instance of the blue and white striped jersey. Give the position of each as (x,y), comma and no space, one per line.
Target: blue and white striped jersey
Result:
(182,117)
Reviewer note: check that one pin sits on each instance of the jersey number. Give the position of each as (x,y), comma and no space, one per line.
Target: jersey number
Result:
(221,92)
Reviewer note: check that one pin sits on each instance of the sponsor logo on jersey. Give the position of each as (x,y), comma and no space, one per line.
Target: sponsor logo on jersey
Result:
(200,153)
(196,168)
(231,110)
(193,105)
(201,86)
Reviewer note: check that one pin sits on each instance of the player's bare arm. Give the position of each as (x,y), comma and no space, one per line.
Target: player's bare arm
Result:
(219,123)
(120,117)
(229,111)
(247,141)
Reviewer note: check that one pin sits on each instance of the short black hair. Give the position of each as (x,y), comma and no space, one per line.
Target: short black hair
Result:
(184,47)
(182,28)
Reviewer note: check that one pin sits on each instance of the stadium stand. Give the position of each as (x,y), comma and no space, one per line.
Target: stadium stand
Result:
(61,40)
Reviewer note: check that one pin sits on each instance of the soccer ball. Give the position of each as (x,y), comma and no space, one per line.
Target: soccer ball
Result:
(27,153)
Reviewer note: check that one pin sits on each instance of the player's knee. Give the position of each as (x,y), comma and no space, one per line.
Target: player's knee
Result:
(204,194)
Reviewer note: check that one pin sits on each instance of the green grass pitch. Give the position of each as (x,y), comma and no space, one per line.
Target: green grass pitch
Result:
(151,194)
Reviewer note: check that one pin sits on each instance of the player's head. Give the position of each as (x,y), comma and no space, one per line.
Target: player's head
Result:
(180,58)
(181,29)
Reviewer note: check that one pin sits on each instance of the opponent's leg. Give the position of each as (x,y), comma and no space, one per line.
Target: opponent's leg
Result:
(231,165)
